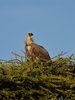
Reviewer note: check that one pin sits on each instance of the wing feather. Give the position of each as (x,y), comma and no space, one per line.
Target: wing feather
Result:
(39,51)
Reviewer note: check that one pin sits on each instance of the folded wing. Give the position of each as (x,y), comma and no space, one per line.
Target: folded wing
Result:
(38,51)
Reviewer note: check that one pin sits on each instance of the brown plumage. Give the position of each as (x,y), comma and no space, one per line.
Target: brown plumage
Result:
(34,50)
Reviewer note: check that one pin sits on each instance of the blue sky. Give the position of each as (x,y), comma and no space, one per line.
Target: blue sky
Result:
(51,21)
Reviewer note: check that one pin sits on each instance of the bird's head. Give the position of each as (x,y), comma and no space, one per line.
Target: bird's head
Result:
(29,39)
(30,34)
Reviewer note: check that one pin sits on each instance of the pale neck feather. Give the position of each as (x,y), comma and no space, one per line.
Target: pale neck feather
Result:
(29,40)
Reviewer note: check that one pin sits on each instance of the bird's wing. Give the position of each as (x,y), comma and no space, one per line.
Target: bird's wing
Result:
(39,51)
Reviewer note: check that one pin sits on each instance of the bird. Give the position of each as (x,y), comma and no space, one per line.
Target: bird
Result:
(34,50)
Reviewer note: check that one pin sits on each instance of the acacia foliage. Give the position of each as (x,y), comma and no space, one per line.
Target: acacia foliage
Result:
(44,80)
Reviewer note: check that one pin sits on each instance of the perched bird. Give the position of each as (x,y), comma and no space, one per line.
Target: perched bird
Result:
(34,50)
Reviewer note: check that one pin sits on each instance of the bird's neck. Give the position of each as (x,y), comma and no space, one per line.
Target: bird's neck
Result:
(29,40)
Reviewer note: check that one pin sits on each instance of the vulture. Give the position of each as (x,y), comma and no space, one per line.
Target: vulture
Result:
(34,50)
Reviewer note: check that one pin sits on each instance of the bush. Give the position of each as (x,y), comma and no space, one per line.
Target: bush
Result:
(42,80)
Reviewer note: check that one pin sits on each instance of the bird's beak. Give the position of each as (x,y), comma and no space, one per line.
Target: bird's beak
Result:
(31,34)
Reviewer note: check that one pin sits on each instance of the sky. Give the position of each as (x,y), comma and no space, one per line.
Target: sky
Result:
(51,21)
